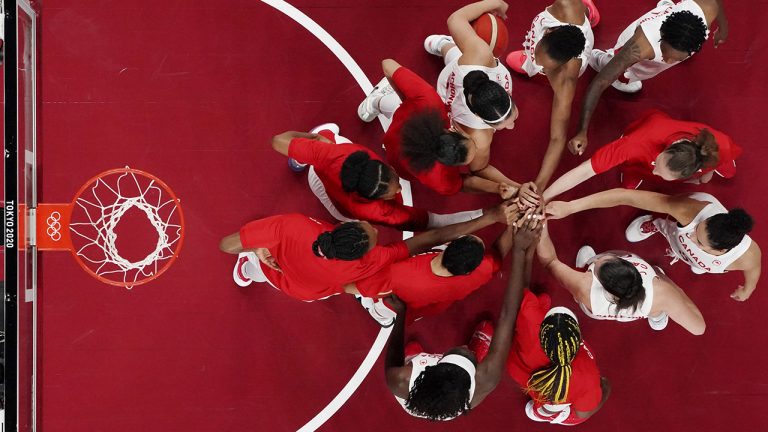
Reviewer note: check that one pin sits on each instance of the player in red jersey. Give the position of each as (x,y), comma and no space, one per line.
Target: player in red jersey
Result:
(443,387)
(554,365)
(422,143)
(353,183)
(309,259)
(658,146)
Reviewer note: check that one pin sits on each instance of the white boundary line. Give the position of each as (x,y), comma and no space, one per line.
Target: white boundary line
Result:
(354,69)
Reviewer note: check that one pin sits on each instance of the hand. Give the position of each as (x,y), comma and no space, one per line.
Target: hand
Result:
(740,294)
(527,236)
(503,212)
(528,195)
(578,144)
(507,191)
(525,214)
(396,304)
(500,8)
(721,34)
(267,258)
(558,209)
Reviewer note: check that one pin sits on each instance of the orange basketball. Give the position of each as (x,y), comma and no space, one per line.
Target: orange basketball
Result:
(492,30)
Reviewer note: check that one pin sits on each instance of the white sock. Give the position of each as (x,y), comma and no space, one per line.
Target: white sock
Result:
(438,220)
(388,104)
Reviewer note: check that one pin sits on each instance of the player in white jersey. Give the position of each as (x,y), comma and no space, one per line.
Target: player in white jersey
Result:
(621,286)
(658,40)
(558,45)
(443,387)
(702,232)
(474,85)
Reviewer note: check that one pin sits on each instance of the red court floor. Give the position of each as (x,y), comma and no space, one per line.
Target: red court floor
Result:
(192,91)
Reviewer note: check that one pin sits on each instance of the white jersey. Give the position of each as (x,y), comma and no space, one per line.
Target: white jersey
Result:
(543,22)
(450,87)
(650,24)
(602,308)
(685,249)
(419,362)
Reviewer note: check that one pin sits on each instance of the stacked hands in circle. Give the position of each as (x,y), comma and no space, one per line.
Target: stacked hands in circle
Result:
(440,137)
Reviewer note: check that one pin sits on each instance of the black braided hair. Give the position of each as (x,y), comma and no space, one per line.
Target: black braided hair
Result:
(348,241)
(368,177)
(560,338)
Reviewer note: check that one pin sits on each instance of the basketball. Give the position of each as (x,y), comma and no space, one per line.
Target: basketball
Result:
(492,30)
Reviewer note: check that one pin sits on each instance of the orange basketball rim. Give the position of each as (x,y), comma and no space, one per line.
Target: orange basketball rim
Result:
(90,227)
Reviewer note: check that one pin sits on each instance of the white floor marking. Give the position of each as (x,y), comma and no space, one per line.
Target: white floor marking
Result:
(366,86)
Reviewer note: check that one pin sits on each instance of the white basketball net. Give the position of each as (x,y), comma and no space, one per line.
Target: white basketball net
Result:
(103,206)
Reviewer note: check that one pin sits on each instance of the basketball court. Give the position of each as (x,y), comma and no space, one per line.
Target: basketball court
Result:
(182,97)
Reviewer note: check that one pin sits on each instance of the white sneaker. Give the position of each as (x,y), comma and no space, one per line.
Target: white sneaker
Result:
(533,415)
(238,274)
(378,310)
(434,43)
(369,107)
(640,229)
(333,127)
(585,254)
(659,322)
(632,87)
(665,3)
(596,59)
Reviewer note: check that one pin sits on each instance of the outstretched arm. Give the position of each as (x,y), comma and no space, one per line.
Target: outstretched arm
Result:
(629,54)
(564,88)
(567,277)
(426,240)
(474,50)
(569,180)
(680,207)
(490,370)
(394,363)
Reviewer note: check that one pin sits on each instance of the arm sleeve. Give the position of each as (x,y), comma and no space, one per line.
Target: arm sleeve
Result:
(310,151)
(413,86)
(382,257)
(729,151)
(610,155)
(395,214)
(443,179)
(262,233)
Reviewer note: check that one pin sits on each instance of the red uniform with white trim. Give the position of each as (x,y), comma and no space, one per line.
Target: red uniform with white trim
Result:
(426,293)
(419,97)
(327,160)
(526,356)
(304,275)
(647,137)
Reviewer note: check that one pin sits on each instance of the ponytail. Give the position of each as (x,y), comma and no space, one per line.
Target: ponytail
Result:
(425,142)
(687,156)
(560,338)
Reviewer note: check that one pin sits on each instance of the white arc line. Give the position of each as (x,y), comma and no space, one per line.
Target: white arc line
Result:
(354,69)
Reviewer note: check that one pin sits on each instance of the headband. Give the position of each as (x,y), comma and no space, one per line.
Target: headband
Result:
(503,116)
(562,310)
(467,365)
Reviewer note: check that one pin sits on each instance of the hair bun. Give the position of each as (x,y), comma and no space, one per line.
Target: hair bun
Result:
(474,80)
(740,221)
(323,246)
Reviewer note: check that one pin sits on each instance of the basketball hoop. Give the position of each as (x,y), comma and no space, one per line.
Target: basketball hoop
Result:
(90,227)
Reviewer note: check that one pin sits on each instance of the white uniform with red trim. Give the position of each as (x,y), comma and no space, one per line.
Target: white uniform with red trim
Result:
(684,249)
(543,22)
(650,24)
(450,87)
(602,308)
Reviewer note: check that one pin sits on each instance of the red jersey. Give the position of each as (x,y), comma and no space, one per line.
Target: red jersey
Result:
(645,138)
(304,275)
(424,292)
(327,159)
(526,356)
(419,96)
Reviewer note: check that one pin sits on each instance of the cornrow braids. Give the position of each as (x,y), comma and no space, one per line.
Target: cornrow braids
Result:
(347,242)
(440,392)
(560,338)
(368,177)
(684,31)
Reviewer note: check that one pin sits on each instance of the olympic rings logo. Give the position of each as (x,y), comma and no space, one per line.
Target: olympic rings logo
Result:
(54,227)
